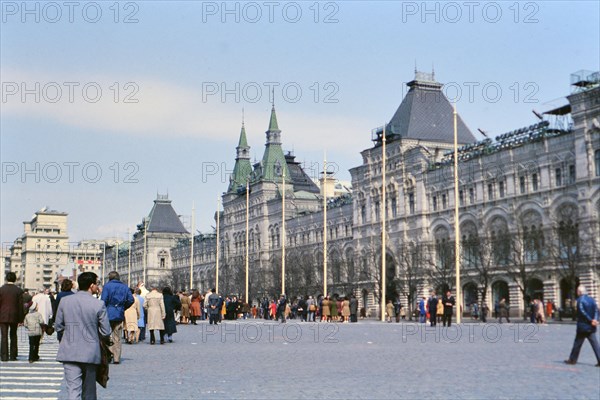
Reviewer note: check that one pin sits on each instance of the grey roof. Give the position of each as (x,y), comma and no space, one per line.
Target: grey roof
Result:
(300,179)
(163,217)
(426,114)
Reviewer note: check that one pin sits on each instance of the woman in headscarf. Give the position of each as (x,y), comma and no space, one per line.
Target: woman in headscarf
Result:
(185,308)
(326,315)
(155,308)
(346,310)
(172,304)
(132,315)
(195,307)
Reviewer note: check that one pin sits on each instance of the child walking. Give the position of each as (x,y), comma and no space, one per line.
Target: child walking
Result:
(33,323)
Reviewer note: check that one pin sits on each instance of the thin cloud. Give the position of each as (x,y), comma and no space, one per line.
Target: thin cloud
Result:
(164,109)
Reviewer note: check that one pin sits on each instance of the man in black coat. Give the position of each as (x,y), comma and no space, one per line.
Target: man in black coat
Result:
(302,309)
(432,307)
(281,308)
(449,302)
(214,300)
(353,309)
(11,315)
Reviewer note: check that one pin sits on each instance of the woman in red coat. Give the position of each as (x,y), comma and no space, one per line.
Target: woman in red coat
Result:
(195,308)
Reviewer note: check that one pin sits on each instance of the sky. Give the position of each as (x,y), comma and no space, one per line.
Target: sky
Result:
(106,104)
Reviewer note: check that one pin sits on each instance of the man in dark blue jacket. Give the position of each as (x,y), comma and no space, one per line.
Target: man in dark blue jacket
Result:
(432,307)
(281,305)
(118,298)
(587,321)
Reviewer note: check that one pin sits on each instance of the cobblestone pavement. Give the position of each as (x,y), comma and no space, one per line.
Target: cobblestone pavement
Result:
(366,360)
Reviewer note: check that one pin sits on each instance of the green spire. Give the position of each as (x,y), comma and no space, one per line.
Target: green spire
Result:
(273,122)
(243,141)
(273,163)
(242,168)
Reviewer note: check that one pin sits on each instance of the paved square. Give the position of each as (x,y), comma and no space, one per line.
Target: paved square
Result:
(366,360)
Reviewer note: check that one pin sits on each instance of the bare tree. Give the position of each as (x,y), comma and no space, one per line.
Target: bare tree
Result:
(478,257)
(569,250)
(439,261)
(521,253)
(411,258)
(348,273)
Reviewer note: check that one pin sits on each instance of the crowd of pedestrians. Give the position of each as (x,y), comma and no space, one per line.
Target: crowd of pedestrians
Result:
(93,318)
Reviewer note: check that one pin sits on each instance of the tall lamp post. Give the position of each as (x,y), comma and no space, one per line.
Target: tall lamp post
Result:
(324,225)
(383,217)
(247,223)
(283,232)
(103,260)
(192,247)
(218,247)
(145,250)
(117,254)
(456,221)
(129,259)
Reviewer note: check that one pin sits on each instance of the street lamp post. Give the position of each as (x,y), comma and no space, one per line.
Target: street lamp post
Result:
(283,232)
(218,247)
(192,247)
(129,259)
(103,260)
(117,254)
(383,216)
(324,225)
(144,278)
(456,221)
(247,226)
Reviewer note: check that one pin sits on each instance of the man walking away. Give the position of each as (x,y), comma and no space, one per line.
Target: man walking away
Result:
(214,310)
(84,322)
(449,302)
(11,315)
(432,306)
(422,311)
(281,305)
(117,297)
(587,321)
(353,309)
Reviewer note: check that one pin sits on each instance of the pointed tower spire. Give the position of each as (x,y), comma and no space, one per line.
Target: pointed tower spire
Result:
(242,168)
(273,126)
(243,142)
(274,163)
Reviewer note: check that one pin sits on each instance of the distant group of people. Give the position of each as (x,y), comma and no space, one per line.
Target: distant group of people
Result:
(90,319)
(437,310)
(308,309)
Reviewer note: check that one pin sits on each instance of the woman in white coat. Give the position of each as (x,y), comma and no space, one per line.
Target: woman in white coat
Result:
(155,307)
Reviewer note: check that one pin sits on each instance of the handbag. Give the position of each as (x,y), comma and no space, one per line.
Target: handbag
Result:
(102,368)
(49,330)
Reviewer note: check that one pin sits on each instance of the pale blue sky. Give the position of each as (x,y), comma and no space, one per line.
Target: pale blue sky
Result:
(178,50)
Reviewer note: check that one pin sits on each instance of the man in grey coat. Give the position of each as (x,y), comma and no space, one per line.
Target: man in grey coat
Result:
(83,321)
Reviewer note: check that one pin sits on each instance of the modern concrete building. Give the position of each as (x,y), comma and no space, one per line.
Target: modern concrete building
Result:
(42,251)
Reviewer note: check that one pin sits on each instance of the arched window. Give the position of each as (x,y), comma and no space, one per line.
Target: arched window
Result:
(442,247)
(533,236)
(470,244)
(500,240)
(568,232)
(597,162)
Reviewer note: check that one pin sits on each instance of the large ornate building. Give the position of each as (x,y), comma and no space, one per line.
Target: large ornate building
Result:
(529,212)
(529,206)
(529,202)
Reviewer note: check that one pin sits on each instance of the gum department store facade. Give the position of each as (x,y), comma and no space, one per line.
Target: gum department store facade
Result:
(529,213)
